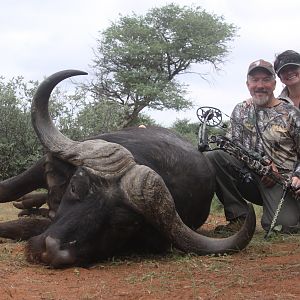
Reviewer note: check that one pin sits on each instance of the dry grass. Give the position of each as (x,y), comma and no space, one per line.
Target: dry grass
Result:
(8,212)
(264,270)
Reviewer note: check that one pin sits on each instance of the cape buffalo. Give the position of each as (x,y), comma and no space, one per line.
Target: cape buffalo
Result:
(138,189)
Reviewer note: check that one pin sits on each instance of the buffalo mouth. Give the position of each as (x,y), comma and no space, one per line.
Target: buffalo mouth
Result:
(49,251)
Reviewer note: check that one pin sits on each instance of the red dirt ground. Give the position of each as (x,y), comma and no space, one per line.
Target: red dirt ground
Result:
(264,270)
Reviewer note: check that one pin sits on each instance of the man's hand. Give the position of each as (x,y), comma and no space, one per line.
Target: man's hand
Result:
(269,182)
(295,185)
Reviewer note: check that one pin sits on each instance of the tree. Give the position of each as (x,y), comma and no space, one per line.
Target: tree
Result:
(187,130)
(138,58)
(97,118)
(102,117)
(19,146)
(191,130)
(73,113)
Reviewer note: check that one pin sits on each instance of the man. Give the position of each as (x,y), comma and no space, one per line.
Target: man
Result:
(271,128)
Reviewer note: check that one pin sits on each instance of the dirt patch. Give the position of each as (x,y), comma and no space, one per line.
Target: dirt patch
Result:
(264,270)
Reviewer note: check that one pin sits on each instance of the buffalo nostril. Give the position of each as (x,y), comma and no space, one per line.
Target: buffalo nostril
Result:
(54,255)
(52,245)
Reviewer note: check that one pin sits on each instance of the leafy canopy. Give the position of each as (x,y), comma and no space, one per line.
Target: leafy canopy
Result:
(19,146)
(138,58)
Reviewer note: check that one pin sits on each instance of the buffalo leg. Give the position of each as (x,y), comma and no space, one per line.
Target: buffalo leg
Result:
(33,178)
(23,228)
(30,204)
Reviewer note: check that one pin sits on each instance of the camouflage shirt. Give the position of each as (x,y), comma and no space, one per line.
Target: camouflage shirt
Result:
(284,95)
(274,132)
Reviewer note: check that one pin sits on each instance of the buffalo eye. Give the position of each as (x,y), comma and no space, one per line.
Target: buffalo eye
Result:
(79,185)
(73,192)
(73,189)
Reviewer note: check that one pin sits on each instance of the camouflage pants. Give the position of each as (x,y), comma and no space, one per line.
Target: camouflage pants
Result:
(233,190)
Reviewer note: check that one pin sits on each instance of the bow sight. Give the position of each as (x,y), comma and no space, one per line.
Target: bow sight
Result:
(211,117)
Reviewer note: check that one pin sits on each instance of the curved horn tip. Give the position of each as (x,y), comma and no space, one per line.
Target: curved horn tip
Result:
(76,72)
(46,87)
(68,73)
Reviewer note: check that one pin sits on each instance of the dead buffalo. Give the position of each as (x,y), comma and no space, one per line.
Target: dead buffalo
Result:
(138,189)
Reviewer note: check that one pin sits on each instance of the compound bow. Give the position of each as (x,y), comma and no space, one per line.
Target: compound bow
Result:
(261,165)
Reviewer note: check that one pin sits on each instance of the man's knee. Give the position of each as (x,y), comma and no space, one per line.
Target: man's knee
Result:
(283,223)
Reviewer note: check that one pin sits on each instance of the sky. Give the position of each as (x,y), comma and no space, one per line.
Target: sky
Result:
(39,38)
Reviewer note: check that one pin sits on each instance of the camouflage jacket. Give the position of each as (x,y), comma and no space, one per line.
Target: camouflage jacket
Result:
(274,132)
(284,95)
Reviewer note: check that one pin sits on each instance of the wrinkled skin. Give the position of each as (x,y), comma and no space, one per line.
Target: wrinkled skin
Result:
(143,190)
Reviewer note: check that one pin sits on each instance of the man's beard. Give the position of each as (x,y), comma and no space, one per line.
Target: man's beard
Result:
(262,101)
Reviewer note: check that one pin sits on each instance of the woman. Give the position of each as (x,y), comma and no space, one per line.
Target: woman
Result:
(287,67)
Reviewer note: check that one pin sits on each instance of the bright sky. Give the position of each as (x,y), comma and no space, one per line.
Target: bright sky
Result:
(39,38)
